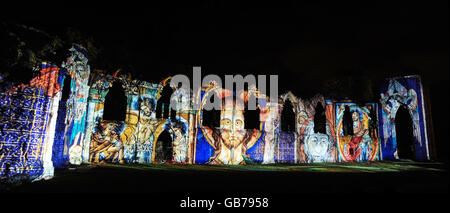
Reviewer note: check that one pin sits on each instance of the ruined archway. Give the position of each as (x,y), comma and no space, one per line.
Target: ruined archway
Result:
(164,147)
(320,119)
(288,117)
(252,119)
(404,134)
(115,107)
(211,118)
(403,92)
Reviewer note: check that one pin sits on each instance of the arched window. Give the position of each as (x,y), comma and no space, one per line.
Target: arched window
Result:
(115,107)
(347,122)
(211,118)
(66,88)
(164,147)
(288,117)
(251,117)
(163,104)
(404,133)
(373,122)
(320,119)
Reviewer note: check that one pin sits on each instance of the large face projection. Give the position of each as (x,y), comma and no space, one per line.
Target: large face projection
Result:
(318,148)
(232,127)
(315,145)
(229,143)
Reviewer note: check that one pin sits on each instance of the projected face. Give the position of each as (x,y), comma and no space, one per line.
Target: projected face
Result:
(355,116)
(146,107)
(232,127)
(317,147)
(75,155)
(302,117)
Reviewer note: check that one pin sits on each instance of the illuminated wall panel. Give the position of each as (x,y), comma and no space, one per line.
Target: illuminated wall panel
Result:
(23,131)
(78,68)
(363,143)
(137,138)
(39,131)
(315,146)
(285,149)
(27,122)
(230,143)
(396,92)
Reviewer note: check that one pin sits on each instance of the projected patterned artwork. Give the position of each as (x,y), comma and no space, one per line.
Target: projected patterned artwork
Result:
(316,145)
(230,143)
(70,115)
(70,118)
(403,92)
(135,139)
(361,144)
(79,70)
(286,132)
(22,138)
(26,127)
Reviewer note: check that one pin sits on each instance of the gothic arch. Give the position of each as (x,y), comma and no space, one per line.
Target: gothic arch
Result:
(288,115)
(404,94)
(163,147)
(115,105)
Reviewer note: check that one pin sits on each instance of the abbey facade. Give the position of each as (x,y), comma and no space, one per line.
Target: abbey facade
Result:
(70,115)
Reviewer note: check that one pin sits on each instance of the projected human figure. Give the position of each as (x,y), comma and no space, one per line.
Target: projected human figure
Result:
(359,130)
(231,140)
(180,145)
(318,147)
(108,143)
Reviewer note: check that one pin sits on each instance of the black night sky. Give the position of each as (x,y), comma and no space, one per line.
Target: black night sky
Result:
(308,45)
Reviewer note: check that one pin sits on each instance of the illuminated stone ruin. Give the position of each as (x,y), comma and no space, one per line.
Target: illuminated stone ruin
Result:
(70,115)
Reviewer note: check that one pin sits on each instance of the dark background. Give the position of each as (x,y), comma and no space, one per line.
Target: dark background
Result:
(340,50)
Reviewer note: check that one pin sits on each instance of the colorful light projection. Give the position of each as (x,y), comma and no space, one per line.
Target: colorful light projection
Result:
(48,130)
(78,67)
(136,139)
(71,111)
(286,137)
(230,143)
(361,144)
(395,93)
(315,146)
(28,114)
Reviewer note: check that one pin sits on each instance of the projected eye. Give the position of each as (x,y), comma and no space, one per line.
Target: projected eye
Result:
(226,122)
